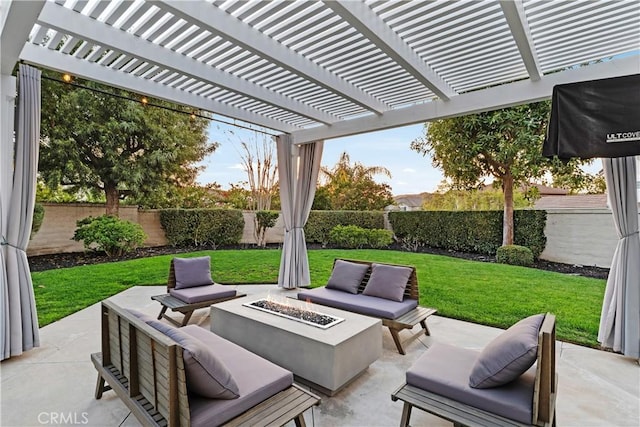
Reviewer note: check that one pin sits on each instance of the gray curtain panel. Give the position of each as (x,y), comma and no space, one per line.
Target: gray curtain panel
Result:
(620,318)
(20,321)
(298,168)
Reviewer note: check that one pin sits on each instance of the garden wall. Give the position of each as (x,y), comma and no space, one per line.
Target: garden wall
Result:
(574,236)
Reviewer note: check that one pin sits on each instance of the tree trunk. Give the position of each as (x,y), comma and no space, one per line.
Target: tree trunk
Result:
(113,199)
(507,222)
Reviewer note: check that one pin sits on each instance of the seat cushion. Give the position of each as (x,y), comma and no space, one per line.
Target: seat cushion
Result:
(387,281)
(257,379)
(508,355)
(203,293)
(207,375)
(347,276)
(444,369)
(192,271)
(359,303)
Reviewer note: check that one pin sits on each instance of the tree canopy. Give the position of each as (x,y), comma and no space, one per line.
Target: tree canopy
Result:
(94,140)
(505,144)
(350,186)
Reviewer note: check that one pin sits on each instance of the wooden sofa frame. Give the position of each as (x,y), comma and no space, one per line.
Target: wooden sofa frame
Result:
(408,320)
(461,414)
(146,370)
(168,301)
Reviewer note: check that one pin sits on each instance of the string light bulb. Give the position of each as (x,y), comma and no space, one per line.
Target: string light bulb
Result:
(193,115)
(67,78)
(144,100)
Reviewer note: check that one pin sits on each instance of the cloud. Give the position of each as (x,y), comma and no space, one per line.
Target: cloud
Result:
(409,170)
(237,166)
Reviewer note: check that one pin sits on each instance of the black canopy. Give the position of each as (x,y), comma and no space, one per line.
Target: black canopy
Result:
(598,118)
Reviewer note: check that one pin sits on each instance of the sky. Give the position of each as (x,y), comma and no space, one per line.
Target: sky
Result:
(411,172)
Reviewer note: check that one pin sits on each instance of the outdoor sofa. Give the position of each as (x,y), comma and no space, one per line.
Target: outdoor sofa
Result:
(386,291)
(189,376)
(495,387)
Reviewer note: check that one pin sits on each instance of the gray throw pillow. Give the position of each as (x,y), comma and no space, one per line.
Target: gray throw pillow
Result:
(388,282)
(192,272)
(206,374)
(508,356)
(347,276)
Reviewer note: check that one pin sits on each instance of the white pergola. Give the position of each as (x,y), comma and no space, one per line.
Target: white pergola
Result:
(315,70)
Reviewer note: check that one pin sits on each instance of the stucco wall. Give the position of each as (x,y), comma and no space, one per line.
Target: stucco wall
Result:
(580,236)
(574,236)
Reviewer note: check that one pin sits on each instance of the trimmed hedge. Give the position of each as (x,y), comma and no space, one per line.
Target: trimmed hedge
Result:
(468,231)
(321,223)
(198,227)
(514,255)
(354,237)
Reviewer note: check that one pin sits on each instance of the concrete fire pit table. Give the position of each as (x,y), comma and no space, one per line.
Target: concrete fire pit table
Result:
(325,359)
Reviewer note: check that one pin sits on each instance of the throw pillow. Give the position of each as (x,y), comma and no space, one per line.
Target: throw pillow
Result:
(388,282)
(206,374)
(347,276)
(192,272)
(508,356)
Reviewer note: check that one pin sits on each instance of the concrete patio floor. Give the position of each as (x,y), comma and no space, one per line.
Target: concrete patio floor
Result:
(54,384)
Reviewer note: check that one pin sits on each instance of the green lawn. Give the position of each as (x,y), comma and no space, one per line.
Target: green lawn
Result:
(486,293)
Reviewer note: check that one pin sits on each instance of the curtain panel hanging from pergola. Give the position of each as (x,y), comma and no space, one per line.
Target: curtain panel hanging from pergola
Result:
(19,328)
(298,168)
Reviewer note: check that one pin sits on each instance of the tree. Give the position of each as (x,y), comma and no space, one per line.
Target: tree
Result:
(505,144)
(94,140)
(352,187)
(473,200)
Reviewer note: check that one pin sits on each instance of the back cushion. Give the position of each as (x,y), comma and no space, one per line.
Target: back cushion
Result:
(206,374)
(509,355)
(192,272)
(347,276)
(387,281)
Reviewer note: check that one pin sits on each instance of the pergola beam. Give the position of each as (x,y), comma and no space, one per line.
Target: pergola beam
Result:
(41,56)
(517,93)
(16,23)
(67,21)
(513,11)
(225,25)
(362,18)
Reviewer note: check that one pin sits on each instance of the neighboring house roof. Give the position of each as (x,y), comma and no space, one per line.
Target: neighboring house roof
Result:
(410,200)
(574,201)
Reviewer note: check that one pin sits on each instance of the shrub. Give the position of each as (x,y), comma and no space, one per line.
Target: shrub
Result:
(320,223)
(354,237)
(199,227)
(38,216)
(263,221)
(109,234)
(467,231)
(514,255)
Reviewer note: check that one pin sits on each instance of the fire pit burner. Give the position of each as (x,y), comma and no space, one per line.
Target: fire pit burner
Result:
(310,317)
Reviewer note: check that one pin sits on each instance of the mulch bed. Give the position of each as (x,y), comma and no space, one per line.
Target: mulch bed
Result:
(63,260)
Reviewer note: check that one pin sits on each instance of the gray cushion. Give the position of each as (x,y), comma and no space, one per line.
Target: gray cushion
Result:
(347,276)
(257,378)
(140,315)
(192,271)
(509,355)
(203,293)
(444,369)
(363,304)
(387,281)
(206,373)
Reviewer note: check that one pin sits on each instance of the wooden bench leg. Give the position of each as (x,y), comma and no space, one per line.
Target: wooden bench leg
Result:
(101,387)
(395,334)
(406,415)
(299,420)
(423,323)
(162,312)
(187,316)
